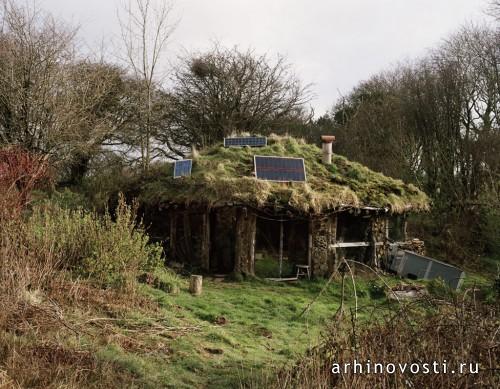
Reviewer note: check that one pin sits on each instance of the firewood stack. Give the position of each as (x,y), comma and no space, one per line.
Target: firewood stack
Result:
(415,245)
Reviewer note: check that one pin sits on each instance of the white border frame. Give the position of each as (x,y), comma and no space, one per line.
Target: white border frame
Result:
(190,168)
(245,137)
(277,156)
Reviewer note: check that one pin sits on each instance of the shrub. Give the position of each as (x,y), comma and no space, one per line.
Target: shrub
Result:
(122,250)
(110,252)
(20,173)
(456,331)
(489,222)
(64,198)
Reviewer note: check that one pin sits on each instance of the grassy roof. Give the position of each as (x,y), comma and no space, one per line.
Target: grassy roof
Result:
(222,175)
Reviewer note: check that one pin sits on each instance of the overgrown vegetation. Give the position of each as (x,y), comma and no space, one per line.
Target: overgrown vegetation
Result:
(110,251)
(70,321)
(85,298)
(450,334)
(226,175)
(61,270)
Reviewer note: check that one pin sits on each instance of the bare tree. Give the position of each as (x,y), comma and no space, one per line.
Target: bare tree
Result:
(34,50)
(227,90)
(494,9)
(435,121)
(54,102)
(105,100)
(146,27)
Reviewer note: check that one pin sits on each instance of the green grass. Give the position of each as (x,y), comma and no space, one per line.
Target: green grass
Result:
(263,329)
(234,333)
(270,268)
(226,175)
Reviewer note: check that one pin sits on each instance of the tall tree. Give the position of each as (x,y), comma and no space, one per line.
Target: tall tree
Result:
(435,121)
(53,102)
(146,26)
(34,51)
(227,90)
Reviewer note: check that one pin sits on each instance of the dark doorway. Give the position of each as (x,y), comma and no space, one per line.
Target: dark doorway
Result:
(223,238)
(187,238)
(267,247)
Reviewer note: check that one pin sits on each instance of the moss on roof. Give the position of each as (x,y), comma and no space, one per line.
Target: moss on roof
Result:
(221,175)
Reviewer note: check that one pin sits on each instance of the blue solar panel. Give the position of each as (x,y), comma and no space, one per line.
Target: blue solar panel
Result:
(252,141)
(183,168)
(279,168)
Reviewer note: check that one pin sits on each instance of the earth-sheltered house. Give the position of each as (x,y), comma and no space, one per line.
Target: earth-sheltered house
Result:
(223,219)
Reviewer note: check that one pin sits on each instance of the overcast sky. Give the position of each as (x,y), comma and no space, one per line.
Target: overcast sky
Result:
(332,44)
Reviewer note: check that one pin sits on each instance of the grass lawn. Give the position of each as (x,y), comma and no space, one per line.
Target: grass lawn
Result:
(233,331)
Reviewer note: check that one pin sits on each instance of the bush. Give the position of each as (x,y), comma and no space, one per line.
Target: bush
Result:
(489,222)
(110,252)
(457,331)
(122,250)
(64,198)
(20,173)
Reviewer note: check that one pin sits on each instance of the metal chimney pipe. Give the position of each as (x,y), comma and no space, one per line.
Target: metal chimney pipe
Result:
(327,141)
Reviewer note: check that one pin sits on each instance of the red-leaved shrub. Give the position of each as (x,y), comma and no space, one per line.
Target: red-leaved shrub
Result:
(20,173)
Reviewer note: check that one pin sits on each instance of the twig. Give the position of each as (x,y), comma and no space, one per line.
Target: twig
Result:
(355,293)
(317,296)
(378,275)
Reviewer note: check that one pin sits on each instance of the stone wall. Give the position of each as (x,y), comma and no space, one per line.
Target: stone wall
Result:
(323,231)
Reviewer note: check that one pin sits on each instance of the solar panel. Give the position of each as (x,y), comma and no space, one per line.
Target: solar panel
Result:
(182,168)
(252,141)
(279,168)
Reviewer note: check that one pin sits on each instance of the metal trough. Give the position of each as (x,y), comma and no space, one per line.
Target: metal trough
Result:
(412,265)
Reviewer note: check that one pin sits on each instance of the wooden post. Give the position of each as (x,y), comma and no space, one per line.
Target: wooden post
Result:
(281,247)
(195,285)
(253,233)
(373,251)
(238,242)
(309,244)
(205,241)
(244,246)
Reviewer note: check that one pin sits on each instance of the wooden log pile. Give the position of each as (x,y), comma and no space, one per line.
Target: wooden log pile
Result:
(415,245)
(378,234)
